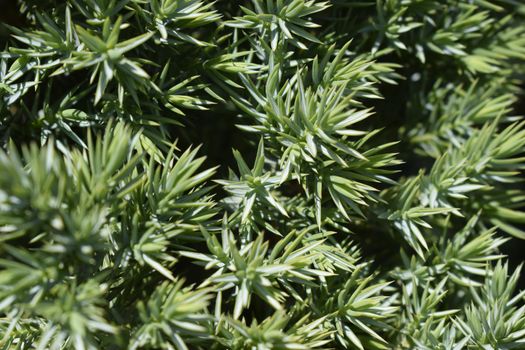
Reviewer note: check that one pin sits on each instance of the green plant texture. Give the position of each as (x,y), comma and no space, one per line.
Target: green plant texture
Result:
(262,174)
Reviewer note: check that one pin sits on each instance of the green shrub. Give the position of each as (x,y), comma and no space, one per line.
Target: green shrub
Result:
(264,174)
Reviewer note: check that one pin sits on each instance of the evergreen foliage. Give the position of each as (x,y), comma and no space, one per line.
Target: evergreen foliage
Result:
(262,174)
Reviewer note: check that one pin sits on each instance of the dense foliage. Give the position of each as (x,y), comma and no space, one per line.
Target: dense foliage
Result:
(262,174)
